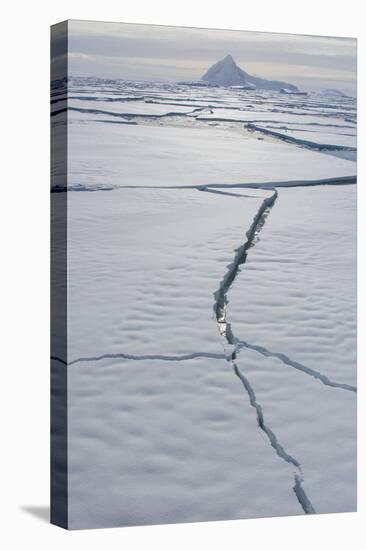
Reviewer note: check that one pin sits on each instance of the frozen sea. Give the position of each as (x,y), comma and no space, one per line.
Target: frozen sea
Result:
(212,302)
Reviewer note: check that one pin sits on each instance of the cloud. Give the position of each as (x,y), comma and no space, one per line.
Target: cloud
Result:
(151,52)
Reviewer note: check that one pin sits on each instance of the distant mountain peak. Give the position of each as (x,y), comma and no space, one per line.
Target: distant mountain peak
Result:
(227,73)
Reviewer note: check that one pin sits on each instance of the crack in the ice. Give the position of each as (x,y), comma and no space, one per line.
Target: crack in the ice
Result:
(124,115)
(298,366)
(220,309)
(342,180)
(217,192)
(302,496)
(280,451)
(312,145)
(239,259)
(184,357)
(269,121)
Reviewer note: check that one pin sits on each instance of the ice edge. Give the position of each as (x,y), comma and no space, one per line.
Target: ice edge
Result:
(343,180)
(220,309)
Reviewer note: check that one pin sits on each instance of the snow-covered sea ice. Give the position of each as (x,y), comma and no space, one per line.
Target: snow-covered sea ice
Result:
(211,291)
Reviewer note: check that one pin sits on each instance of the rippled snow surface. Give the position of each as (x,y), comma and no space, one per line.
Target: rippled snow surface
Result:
(168,190)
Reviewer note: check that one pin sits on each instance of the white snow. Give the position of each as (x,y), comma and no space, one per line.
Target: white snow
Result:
(160,427)
(161,442)
(268,116)
(296,297)
(128,107)
(314,423)
(103,154)
(313,136)
(305,304)
(144,266)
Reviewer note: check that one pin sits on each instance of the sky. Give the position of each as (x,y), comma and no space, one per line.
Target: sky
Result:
(162,53)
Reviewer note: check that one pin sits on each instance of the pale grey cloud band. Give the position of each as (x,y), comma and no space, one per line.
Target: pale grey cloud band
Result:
(148,52)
